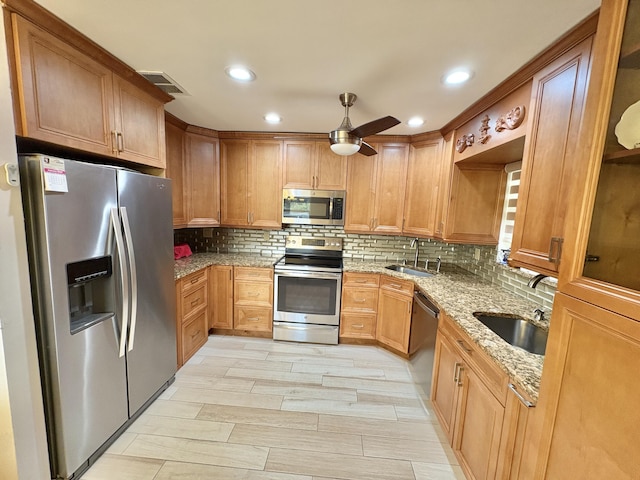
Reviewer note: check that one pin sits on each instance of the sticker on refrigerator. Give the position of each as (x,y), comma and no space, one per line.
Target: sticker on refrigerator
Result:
(55,176)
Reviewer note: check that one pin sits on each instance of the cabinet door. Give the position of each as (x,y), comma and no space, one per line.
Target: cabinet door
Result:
(234,189)
(423,188)
(64,97)
(478,428)
(394,320)
(176,171)
(361,186)
(475,205)
(558,95)
(139,123)
(265,192)
(203,167)
(330,169)
(444,388)
(221,297)
(589,394)
(299,165)
(390,187)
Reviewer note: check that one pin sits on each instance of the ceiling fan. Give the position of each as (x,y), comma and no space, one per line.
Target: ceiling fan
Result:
(346,140)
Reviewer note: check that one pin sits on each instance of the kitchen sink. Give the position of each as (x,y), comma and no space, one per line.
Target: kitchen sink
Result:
(417,271)
(515,331)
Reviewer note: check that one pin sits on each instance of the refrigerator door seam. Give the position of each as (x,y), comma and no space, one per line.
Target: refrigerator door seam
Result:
(117,228)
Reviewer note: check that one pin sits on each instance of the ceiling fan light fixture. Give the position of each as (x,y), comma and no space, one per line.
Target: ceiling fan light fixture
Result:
(240,73)
(345,149)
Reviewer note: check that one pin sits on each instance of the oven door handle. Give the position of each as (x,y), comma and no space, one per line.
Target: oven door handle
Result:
(326,275)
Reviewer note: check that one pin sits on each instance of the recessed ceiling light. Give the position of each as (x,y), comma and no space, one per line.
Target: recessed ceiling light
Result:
(240,73)
(457,77)
(415,122)
(273,118)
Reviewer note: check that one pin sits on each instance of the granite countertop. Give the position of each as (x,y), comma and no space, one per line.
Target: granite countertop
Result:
(460,293)
(198,261)
(456,291)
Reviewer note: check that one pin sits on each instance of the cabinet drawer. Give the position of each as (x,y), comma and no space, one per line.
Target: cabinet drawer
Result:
(194,335)
(193,301)
(360,299)
(251,273)
(396,285)
(360,279)
(356,325)
(194,280)
(260,293)
(257,319)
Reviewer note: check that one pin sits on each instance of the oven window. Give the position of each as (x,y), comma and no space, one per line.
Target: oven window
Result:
(315,296)
(307,207)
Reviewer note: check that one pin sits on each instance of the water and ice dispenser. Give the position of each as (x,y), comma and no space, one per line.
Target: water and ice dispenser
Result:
(90,292)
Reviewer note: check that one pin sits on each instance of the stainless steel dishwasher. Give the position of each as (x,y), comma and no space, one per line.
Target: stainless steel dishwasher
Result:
(422,342)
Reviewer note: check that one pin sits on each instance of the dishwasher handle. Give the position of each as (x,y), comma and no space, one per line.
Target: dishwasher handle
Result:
(425,303)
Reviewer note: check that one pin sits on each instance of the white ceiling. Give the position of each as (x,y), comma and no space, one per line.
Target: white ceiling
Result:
(392,54)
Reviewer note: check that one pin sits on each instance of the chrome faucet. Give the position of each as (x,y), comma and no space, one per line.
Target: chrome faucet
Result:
(533,283)
(538,314)
(415,243)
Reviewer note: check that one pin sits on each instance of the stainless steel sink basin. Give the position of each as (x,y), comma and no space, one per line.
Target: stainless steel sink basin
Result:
(417,271)
(516,331)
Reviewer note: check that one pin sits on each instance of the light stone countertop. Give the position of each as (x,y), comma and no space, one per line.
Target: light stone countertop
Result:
(456,291)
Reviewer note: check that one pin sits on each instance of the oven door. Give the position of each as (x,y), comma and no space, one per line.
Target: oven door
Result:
(307,297)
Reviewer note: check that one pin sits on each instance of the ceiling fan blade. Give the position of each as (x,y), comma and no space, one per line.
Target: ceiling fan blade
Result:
(375,126)
(366,149)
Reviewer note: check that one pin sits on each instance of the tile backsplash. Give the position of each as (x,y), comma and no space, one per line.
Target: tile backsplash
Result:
(479,260)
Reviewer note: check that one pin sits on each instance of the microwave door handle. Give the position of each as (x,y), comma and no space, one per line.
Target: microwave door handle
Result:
(124,279)
(133,274)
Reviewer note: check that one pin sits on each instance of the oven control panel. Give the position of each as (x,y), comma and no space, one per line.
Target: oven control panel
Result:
(314,243)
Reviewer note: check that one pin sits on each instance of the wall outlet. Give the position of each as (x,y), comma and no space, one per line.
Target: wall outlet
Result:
(476,253)
(265,236)
(207,232)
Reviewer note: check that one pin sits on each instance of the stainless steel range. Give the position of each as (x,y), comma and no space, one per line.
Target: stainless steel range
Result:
(307,289)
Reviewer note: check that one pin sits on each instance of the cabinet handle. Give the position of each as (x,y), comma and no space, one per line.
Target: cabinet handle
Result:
(519,396)
(359,300)
(197,334)
(195,280)
(464,346)
(114,139)
(195,302)
(120,142)
(360,281)
(457,370)
(358,325)
(555,249)
(395,285)
(230,274)
(218,216)
(249,218)
(253,319)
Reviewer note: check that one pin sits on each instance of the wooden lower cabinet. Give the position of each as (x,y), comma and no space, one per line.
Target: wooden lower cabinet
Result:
(394,313)
(359,307)
(253,299)
(485,422)
(221,297)
(589,395)
(192,317)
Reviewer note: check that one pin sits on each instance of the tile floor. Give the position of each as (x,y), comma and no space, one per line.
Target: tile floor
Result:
(255,409)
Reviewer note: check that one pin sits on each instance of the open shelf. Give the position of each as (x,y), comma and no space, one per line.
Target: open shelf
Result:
(630,57)
(623,156)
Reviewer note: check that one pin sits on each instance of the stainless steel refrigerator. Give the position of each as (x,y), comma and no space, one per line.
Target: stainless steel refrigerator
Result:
(101,261)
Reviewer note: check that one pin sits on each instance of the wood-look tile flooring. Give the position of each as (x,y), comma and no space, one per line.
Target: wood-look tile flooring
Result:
(255,409)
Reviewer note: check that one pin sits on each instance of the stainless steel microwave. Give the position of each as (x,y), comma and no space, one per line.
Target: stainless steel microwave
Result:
(313,207)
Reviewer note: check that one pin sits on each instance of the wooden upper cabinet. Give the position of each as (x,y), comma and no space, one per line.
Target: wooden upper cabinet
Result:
(203,180)
(361,187)
(475,204)
(390,188)
(375,190)
(139,125)
(548,164)
(312,165)
(423,189)
(176,171)
(66,97)
(251,188)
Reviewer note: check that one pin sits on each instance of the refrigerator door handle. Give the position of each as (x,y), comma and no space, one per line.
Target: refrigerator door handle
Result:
(133,276)
(124,279)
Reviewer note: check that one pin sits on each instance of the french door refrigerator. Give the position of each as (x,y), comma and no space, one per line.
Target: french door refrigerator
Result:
(101,262)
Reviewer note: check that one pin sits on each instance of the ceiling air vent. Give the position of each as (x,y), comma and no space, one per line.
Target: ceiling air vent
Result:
(164,82)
